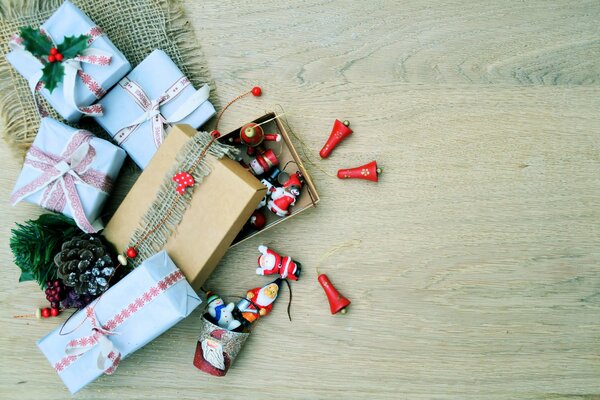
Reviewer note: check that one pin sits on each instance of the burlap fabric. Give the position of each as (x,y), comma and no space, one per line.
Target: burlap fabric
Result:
(136,27)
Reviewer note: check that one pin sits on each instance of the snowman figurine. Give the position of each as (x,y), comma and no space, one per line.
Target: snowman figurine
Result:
(221,313)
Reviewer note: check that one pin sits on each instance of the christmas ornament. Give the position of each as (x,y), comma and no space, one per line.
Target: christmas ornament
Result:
(271,182)
(337,302)
(368,172)
(42,48)
(184,180)
(339,132)
(257,220)
(217,348)
(55,292)
(270,262)
(282,198)
(35,243)
(256,91)
(263,162)
(221,313)
(253,136)
(85,264)
(259,301)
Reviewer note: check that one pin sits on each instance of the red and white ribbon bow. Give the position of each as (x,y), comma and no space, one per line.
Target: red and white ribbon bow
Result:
(98,337)
(72,68)
(60,175)
(151,108)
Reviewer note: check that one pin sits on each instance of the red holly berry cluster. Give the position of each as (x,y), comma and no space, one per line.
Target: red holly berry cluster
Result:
(54,55)
(55,293)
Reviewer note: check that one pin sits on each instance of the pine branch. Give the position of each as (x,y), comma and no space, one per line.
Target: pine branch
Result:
(35,243)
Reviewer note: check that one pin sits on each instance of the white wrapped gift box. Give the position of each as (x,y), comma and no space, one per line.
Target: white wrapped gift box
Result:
(144,304)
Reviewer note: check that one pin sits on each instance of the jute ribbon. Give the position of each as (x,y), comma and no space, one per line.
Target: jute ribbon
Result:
(109,356)
(60,175)
(72,68)
(151,108)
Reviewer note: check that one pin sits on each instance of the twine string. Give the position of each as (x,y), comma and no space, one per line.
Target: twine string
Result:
(335,249)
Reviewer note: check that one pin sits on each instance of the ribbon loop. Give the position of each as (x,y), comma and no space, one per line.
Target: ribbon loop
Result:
(60,175)
(151,108)
(98,337)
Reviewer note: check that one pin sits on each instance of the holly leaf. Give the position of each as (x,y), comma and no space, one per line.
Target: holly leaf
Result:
(72,46)
(35,42)
(52,75)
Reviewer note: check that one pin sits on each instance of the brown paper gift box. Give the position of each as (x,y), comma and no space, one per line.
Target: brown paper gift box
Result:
(221,205)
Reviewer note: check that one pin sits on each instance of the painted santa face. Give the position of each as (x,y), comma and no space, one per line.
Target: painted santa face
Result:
(267,261)
(271,291)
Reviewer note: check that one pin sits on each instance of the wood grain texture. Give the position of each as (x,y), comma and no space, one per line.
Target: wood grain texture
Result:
(477,274)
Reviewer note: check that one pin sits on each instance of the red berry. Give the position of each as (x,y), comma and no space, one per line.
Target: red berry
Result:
(57,283)
(59,57)
(131,253)
(54,304)
(45,312)
(256,91)
(51,58)
(54,311)
(53,50)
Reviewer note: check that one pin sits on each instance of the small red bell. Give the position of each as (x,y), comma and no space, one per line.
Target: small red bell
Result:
(337,302)
(368,171)
(339,132)
(264,162)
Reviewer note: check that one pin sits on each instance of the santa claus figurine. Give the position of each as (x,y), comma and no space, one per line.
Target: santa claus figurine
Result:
(259,301)
(270,262)
(282,198)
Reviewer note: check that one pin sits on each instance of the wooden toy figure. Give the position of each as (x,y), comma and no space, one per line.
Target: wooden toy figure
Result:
(259,301)
(282,198)
(221,313)
(270,262)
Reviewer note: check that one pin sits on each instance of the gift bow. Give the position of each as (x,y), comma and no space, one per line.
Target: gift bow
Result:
(61,173)
(98,337)
(72,68)
(151,108)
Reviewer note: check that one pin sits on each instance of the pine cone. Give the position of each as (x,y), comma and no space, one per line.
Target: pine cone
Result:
(84,263)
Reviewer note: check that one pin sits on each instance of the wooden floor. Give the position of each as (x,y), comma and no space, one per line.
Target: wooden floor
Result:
(474,264)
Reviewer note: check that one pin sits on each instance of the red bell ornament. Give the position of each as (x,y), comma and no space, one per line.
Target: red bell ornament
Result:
(368,172)
(337,302)
(339,132)
(262,163)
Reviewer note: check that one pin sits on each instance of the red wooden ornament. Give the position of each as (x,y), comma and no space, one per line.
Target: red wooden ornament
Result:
(264,162)
(258,220)
(337,302)
(54,312)
(369,172)
(184,180)
(131,252)
(45,312)
(339,132)
(256,91)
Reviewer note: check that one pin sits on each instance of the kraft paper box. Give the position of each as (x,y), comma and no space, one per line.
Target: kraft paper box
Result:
(286,152)
(156,76)
(69,20)
(53,139)
(144,304)
(220,206)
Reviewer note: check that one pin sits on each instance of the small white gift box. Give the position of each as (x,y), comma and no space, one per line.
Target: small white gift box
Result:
(70,171)
(154,95)
(144,304)
(79,89)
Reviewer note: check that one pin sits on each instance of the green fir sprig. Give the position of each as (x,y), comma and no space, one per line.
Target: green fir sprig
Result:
(35,243)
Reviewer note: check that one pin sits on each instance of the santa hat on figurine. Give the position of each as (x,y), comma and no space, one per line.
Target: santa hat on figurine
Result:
(294,183)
